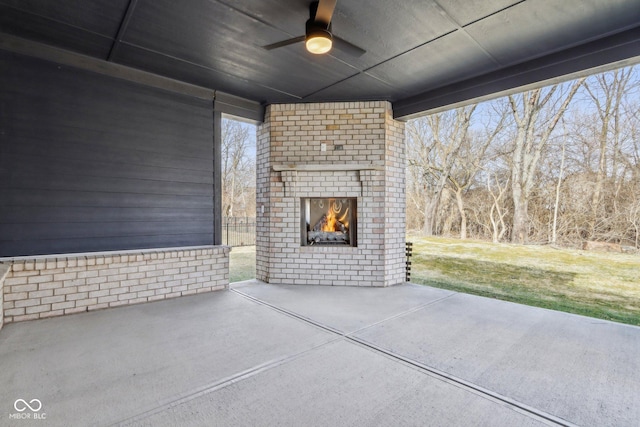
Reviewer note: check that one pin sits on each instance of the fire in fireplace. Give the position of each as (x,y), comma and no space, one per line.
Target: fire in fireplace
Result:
(328,221)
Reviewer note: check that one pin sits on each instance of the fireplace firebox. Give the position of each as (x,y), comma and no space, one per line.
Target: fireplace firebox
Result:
(328,221)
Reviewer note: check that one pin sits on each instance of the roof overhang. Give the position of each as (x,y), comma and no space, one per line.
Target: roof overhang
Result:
(422,56)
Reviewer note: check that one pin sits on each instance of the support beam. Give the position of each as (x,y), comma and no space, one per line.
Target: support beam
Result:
(242,108)
(124,24)
(217,177)
(611,52)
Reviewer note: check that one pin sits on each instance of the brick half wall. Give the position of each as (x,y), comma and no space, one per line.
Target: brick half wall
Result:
(4,272)
(47,286)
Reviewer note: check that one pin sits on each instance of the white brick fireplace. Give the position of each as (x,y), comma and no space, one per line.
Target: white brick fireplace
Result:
(336,155)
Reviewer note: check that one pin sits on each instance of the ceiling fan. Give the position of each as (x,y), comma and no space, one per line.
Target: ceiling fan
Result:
(318,37)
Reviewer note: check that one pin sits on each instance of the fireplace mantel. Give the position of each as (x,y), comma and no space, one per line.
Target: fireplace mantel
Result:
(324,167)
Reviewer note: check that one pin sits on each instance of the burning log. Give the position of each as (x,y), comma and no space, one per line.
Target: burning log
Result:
(327,237)
(325,223)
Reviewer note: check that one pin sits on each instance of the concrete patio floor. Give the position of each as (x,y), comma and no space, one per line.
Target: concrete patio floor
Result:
(302,355)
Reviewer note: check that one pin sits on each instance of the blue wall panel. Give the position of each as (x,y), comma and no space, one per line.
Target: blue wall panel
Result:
(93,163)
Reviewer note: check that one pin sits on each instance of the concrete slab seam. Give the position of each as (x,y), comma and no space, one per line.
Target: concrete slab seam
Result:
(333,330)
(480,391)
(519,407)
(217,385)
(404,313)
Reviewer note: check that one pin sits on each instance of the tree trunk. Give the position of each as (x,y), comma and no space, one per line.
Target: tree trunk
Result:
(554,232)
(463,215)
(530,141)
(520,229)
(437,140)
(600,176)
(430,216)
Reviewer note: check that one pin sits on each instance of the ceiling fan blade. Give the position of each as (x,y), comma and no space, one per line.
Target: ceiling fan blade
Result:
(325,11)
(347,47)
(284,43)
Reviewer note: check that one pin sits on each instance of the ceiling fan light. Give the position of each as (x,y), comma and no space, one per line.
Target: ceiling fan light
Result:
(319,41)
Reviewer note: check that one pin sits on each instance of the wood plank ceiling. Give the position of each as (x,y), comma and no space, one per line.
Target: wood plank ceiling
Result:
(420,54)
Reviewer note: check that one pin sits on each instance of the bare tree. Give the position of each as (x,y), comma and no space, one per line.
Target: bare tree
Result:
(470,159)
(536,114)
(633,216)
(238,169)
(497,212)
(556,204)
(434,142)
(607,91)
(533,181)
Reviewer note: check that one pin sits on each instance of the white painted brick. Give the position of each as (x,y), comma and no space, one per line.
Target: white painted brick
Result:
(107,299)
(63,305)
(87,274)
(138,288)
(53,313)
(77,296)
(75,310)
(14,312)
(39,294)
(49,285)
(109,285)
(99,293)
(53,299)
(88,288)
(26,317)
(38,309)
(26,302)
(96,280)
(127,270)
(86,302)
(15,296)
(74,282)
(133,282)
(126,296)
(66,290)
(13,281)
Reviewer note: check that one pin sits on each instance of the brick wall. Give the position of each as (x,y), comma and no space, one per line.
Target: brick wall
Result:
(38,287)
(368,145)
(395,201)
(4,271)
(263,197)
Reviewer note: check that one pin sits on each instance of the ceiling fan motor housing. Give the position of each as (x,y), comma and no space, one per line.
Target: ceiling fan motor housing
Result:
(318,37)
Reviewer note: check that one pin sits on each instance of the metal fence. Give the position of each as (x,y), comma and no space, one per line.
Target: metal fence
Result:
(238,231)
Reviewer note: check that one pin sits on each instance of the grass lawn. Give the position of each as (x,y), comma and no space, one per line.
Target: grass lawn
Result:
(601,285)
(242,263)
